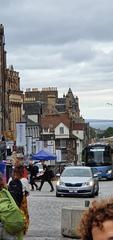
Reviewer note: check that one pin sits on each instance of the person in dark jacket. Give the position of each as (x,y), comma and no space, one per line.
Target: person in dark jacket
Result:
(33,170)
(46,177)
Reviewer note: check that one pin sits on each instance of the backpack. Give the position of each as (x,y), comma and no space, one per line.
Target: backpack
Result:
(15,188)
(10,215)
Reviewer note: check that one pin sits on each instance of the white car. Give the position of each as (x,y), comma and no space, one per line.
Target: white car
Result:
(77,180)
(39,165)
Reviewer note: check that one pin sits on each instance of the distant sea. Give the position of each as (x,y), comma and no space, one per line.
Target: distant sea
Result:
(100,124)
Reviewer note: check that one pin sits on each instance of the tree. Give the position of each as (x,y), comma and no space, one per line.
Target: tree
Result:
(108,132)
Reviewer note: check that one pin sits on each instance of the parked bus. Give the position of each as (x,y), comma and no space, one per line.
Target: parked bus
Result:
(99,156)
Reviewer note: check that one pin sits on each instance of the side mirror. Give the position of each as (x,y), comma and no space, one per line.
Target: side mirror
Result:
(95,175)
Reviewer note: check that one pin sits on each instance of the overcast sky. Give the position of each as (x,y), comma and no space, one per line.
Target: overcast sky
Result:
(63,43)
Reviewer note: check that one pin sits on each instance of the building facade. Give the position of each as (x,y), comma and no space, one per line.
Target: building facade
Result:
(15,99)
(11,97)
(60,121)
(3,93)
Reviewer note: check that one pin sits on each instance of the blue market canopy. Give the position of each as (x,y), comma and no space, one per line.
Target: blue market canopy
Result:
(44,155)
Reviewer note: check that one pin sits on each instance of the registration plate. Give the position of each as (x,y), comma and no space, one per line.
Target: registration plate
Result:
(73,190)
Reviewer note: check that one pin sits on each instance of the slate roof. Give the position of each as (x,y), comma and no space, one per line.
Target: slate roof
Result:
(32,108)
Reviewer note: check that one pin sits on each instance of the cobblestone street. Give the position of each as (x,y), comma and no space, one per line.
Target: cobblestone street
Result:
(45,211)
(45,214)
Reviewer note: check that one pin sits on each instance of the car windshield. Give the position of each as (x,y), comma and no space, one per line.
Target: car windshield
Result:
(74,172)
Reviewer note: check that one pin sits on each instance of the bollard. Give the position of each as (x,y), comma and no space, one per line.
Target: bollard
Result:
(70,219)
(87,202)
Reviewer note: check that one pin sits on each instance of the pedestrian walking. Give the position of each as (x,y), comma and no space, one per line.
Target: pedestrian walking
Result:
(11,218)
(46,177)
(19,189)
(26,191)
(33,170)
(97,222)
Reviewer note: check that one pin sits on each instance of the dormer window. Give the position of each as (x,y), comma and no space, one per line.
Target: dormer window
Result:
(61,130)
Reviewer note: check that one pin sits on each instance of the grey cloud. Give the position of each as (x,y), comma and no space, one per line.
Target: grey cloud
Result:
(52,56)
(77,51)
(55,42)
(57,22)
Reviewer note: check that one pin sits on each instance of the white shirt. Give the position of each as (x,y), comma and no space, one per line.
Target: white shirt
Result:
(25,185)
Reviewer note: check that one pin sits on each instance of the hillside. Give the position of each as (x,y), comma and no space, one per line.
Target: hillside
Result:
(99,123)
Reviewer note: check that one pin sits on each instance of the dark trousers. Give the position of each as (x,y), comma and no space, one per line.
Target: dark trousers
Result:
(46,180)
(33,183)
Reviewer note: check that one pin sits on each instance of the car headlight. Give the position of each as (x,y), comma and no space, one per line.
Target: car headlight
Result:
(88,183)
(109,171)
(60,183)
(91,183)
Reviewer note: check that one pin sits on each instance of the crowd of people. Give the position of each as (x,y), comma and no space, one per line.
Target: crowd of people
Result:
(44,176)
(16,190)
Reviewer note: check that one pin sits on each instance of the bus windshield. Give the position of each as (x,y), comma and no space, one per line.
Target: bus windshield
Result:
(96,156)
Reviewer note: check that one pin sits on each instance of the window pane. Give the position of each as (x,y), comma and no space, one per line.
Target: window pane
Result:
(61,130)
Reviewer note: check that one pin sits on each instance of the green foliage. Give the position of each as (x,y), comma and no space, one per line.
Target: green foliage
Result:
(107,133)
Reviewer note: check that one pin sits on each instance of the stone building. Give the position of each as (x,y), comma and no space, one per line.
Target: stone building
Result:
(62,122)
(15,98)
(36,95)
(58,127)
(11,97)
(59,121)
(48,98)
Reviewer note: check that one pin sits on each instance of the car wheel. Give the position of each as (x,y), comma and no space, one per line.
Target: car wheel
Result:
(57,194)
(97,191)
(93,192)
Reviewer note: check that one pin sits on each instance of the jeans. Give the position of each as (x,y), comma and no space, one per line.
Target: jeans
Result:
(4,235)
